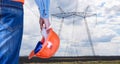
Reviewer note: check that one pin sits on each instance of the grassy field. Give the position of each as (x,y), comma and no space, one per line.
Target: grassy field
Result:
(83,62)
(72,60)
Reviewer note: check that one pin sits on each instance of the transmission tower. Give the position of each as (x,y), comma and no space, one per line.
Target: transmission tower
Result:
(83,15)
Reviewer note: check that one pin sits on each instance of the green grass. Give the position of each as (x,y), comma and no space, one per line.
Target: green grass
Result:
(83,62)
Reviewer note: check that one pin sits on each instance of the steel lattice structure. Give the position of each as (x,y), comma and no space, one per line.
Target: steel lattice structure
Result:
(83,15)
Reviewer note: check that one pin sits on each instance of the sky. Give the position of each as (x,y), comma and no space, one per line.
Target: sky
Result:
(104,29)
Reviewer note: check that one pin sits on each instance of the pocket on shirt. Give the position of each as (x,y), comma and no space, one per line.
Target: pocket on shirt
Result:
(11,18)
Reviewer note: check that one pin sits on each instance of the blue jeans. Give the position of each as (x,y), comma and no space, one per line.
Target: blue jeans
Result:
(11,30)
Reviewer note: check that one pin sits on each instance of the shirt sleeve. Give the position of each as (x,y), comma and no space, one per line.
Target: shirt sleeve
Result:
(43,6)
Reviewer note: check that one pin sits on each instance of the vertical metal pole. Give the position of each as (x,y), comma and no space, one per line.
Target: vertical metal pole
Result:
(89,36)
(61,26)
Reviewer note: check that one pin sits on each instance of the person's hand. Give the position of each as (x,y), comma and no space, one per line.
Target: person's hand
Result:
(44,22)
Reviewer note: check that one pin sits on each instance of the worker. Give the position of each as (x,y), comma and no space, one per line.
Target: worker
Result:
(11,27)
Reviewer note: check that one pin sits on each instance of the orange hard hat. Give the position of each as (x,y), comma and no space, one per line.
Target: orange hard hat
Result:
(46,48)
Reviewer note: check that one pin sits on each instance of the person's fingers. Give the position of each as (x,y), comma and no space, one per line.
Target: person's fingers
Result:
(47,23)
(41,23)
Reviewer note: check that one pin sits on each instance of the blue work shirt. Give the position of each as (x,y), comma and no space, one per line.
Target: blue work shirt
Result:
(43,6)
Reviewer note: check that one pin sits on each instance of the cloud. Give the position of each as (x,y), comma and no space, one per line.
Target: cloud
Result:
(110,48)
(105,33)
(66,5)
